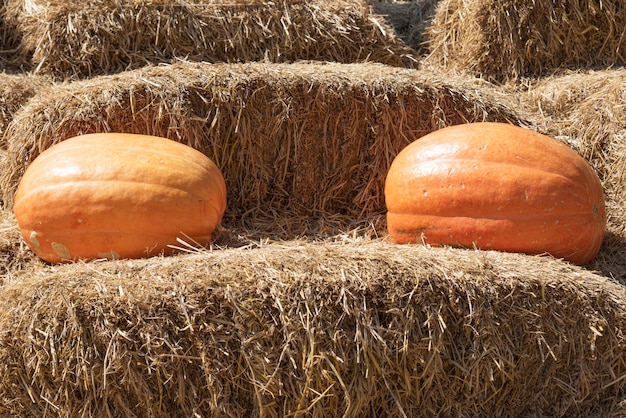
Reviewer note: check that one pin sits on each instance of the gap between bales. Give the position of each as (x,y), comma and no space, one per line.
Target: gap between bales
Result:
(316,330)
(409,19)
(69,40)
(306,140)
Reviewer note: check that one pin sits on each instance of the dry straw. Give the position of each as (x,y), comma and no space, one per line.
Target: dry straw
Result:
(509,39)
(317,330)
(70,39)
(305,139)
(343,326)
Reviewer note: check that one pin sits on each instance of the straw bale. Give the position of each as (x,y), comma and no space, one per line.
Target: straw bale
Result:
(301,329)
(502,40)
(306,139)
(15,90)
(72,39)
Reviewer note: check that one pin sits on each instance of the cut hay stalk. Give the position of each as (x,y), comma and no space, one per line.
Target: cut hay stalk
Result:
(314,330)
(306,140)
(68,39)
(517,38)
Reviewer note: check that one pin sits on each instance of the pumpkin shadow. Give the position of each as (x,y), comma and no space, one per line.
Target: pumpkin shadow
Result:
(611,258)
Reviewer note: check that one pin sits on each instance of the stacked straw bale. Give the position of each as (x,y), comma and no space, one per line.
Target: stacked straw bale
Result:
(299,329)
(82,39)
(503,40)
(309,140)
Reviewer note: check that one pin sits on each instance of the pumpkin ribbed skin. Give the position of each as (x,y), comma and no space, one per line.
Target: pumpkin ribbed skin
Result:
(117,195)
(496,186)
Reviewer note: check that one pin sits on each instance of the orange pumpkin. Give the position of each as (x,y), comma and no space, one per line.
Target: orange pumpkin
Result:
(115,195)
(496,186)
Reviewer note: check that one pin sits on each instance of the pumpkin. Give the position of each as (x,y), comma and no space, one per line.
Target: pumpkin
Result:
(114,195)
(495,186)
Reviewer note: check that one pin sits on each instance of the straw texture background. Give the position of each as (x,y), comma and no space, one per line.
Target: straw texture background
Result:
(302,307)
(10,58)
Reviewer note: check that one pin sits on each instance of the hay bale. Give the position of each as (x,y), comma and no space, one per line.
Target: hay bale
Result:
(15,90)
(308,140)
(68,39)
(343,329)
(508,40)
